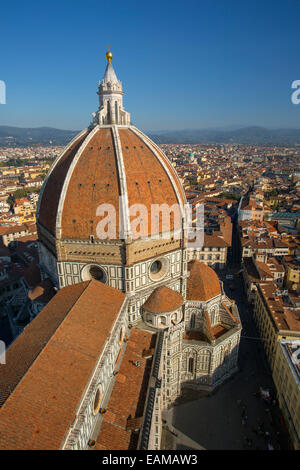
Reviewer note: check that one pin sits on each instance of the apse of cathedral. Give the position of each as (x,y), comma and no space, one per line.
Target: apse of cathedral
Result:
(119,325)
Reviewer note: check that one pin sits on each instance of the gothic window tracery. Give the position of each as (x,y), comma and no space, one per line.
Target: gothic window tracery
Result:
(193,321)
(191,365)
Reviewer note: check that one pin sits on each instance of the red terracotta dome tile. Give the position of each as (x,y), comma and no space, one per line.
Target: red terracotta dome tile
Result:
(203,283)
(90,174)
(53,185)
(163,299)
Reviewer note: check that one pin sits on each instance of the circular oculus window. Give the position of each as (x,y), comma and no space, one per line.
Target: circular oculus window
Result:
(93,271)
(158,269)
(97,400)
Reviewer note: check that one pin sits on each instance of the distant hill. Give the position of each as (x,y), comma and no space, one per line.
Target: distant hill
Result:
(36,135)
(246,135)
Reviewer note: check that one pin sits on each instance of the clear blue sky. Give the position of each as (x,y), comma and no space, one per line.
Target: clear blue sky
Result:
(183,64)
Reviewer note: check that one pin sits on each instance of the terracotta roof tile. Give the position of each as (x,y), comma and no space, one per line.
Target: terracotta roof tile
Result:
(163,299)
(147,180)
(214,241)
(50,363)
(128,396)
(53,187)
(32,274)
(203,283)
(95,180)
(43,292)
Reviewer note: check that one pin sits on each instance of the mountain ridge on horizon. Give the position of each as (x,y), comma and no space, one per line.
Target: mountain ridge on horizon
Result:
(25,136)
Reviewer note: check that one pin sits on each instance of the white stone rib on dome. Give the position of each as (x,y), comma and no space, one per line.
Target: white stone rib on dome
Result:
(123,184)
(153,147)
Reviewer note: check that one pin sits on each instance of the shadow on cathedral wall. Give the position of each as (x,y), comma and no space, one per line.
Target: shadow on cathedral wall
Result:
(203,384)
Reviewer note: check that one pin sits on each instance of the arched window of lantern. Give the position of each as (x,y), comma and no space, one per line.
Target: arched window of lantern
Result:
(108,112)
(116,112)
(213,315)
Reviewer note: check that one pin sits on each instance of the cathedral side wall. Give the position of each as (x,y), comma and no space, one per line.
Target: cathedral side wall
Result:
(98,389)
(206,366)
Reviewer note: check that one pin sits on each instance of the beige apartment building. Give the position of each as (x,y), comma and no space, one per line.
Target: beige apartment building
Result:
(276,314)
(213,253)
(255,271)
(9,234)
(264,246)
(292,280)
(286,375)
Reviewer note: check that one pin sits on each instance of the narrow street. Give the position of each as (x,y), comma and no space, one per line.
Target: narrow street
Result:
(233,417)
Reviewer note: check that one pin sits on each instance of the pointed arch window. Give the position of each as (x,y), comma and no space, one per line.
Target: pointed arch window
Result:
(191,365)
(108,113)
(212,316)
(117,112)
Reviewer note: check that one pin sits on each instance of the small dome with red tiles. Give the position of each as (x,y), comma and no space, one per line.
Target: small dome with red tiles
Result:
(163,300)
(203,283)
